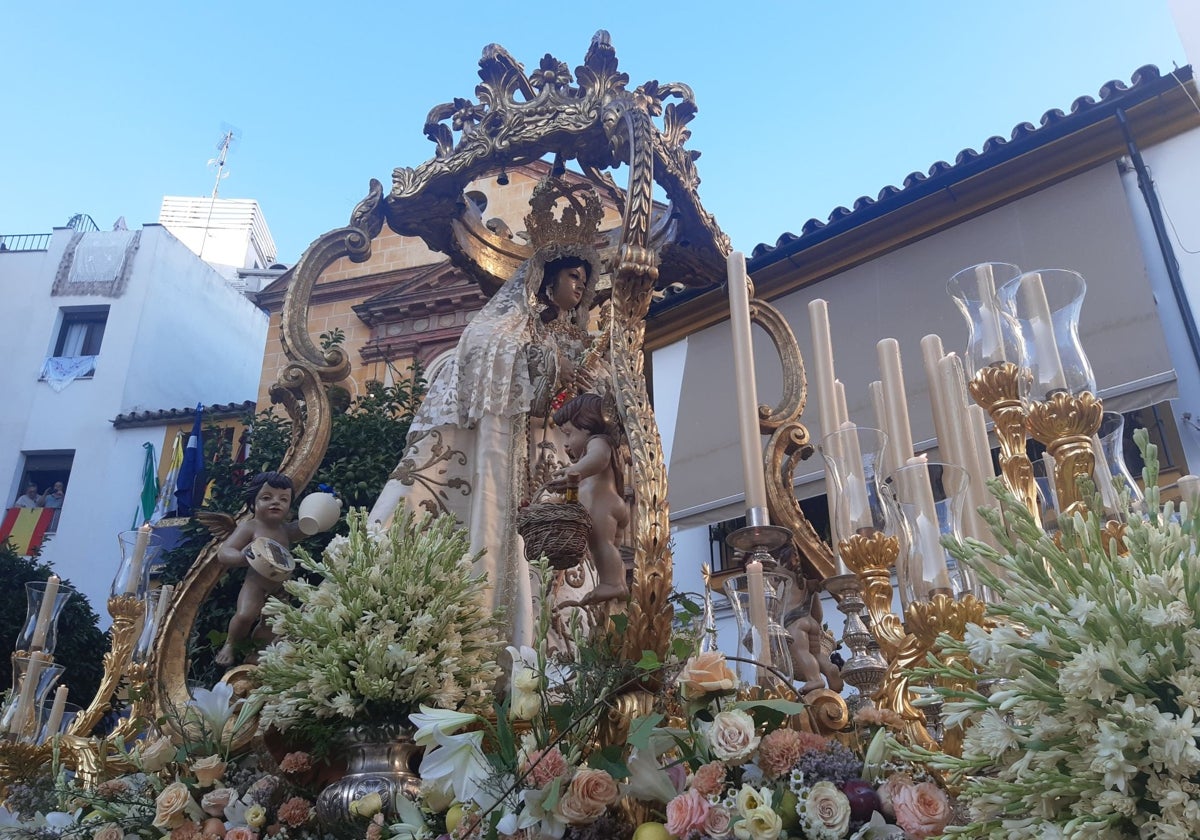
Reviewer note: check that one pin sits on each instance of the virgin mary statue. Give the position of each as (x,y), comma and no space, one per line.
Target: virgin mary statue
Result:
(481,442)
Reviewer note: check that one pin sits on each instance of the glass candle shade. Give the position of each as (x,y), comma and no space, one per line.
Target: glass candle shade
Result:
(1047,492)
(70,712)
(774,651)
(1042,308)
(990,337)
(139,550)
(40,631)
(1113,476)
(145,643)
(852,457)
(928,497)
(33,678)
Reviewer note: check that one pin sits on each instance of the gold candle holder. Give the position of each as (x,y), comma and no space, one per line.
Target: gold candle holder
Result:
(127,612)
(1065,424)
(994,389)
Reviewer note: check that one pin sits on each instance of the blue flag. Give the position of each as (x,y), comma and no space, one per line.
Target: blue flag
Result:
(193,477)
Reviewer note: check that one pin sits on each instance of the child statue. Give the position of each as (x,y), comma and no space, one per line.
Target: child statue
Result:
(261,544)
(593,448)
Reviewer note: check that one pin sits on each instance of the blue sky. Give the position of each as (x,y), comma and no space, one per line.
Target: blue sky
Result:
(804,106)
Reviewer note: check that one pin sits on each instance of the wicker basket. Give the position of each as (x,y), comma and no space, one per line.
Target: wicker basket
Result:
(558,530)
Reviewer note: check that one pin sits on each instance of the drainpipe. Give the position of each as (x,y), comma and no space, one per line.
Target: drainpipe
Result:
(1160,233)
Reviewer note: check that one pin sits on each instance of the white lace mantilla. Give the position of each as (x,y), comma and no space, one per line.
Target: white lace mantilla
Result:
(60,371)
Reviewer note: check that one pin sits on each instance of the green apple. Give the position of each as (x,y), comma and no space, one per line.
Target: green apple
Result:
(652,831)
(454,817)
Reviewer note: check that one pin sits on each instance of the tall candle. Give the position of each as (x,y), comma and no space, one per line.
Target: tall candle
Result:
(756,594)
(164,601)
(822,365)
(139,556)
(746,390)
(56,712)
(21,718)
(1103,476)
(960,441)
(45,613)
(928,535)
(990,334)
(1033,301)
(839,392)
(931,354)
(885,465)
(895,403)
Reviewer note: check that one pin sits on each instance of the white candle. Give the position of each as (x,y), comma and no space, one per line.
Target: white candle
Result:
(1103,476)
(885,465)
(960,442)
(822,366)
(139,556)
(1037,308)
(927,536)
(990,334)
(21,718)
(839,392)
(931,354)
(42,626)
(895,402)
(164,601)
(746,390)
(756,594)
(56,712)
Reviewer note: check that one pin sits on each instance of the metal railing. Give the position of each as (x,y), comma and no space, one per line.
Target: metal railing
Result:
(24,241)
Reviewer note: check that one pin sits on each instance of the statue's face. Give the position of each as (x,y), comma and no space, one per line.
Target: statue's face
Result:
(272,504)
(566,291)
(577,440)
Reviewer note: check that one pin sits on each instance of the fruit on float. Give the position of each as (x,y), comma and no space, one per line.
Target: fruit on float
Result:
(213,825)
(454,817)
(864,801)
(652,831)
(787,811)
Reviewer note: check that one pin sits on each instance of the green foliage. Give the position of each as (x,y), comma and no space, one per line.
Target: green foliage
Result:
(365,445)
(81,643)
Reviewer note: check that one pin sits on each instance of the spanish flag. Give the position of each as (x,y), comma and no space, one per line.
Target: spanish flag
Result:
(24,528)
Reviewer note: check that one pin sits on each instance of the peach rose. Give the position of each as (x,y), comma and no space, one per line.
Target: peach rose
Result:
(827,809)
(241,833)
(215,800)
(187,830)
(718,823)
(706,673)
(170,804)
(588,796)
(157,754)
(709,779)
(922,809)
(109,831)
(687,813)
(207,770)
(888,790)
(731,735)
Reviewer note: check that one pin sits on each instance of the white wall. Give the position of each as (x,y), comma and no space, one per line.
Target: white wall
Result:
(178,335)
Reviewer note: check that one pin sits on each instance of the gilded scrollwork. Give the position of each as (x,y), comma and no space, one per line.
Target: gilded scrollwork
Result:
(1066,423)
(995,389)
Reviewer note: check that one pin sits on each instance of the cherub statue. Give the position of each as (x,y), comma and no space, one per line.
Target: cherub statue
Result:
(809,661)
(262,544)
(594,452)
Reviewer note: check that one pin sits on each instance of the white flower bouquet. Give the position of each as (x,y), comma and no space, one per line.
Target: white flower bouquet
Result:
(397,620)
(1093,725)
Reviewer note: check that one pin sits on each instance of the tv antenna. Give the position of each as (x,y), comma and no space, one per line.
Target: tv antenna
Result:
(229,136)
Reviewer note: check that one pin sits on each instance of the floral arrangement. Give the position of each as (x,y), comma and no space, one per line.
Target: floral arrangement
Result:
(1084,718)
(704,765)
(397,620)
(190,791)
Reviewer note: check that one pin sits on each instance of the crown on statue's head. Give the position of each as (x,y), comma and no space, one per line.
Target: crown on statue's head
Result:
(577,223)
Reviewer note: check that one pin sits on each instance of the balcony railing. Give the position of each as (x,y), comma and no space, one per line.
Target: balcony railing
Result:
(24,241)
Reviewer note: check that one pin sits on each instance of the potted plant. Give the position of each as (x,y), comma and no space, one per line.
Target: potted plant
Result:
(396,620)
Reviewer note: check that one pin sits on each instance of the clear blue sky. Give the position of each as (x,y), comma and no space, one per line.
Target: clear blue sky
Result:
(804,106)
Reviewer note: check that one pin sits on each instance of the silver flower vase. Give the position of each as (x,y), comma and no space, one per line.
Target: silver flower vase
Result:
(379,759)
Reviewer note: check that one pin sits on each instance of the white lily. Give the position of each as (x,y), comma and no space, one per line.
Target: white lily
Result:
(430,720)
(215,707)
(412,824)
(456,761)
(647,780)
(550,824)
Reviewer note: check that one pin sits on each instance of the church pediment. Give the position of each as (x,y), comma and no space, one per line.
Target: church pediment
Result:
(426,290)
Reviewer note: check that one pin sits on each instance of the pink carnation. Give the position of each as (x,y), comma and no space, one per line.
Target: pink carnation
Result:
(296,762)
(295,812)
(709,779)
(686,813)
(544,766)
(779,751)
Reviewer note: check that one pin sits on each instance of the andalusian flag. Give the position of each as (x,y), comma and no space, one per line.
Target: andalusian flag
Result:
(149,486)
(166,493)
(25,527)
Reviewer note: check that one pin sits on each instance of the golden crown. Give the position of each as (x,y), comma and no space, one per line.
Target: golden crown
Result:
(578,222)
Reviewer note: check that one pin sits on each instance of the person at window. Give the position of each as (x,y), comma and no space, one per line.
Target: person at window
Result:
(28,499)
(52,498)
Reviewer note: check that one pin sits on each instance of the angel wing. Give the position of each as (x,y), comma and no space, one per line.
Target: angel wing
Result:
(220,525)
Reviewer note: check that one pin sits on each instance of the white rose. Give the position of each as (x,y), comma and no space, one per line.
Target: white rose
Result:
(731,735)
(524,705)
(760,824)
(157,754)
(827,810)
